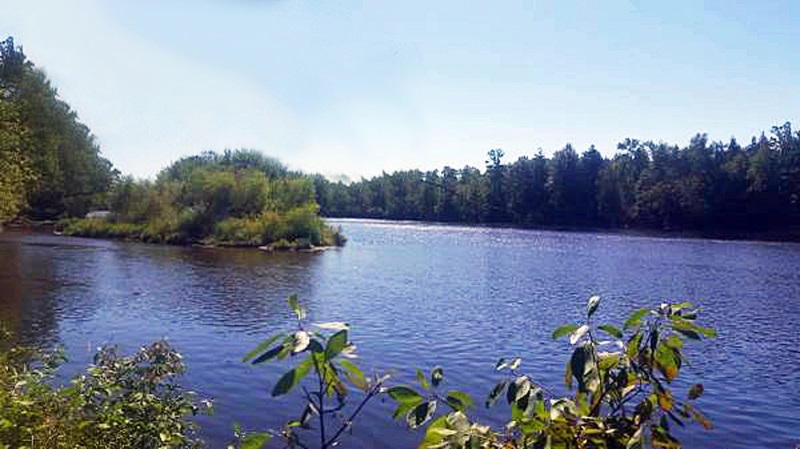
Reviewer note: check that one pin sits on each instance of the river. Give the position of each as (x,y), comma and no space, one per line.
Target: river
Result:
(416,296)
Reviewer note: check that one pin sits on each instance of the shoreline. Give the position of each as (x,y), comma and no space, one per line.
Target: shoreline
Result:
(783,236)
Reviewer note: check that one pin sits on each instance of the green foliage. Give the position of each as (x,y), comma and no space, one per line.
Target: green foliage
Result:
(234,199)
(325,368)
(50,164)
(622,394)
(706,186)
(119,402)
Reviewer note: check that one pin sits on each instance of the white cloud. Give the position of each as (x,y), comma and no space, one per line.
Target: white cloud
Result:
(147,106)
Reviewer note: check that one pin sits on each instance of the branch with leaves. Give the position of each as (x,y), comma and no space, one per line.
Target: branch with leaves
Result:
(328,356)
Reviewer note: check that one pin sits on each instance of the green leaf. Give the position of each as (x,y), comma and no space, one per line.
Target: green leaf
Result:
(591,305)
(294,304)
(633,346)
(255,440)
(635,318)
(423,382)
(421,414)
(261,347)
(436,376)
(271,354)
(336,344)
(354,375)
(564,330)
(404,394)
(459,400)
(292,377)
(610,330)
(402,409)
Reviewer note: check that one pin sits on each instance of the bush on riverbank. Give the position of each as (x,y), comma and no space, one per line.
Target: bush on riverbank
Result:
(120,402)
(238,198)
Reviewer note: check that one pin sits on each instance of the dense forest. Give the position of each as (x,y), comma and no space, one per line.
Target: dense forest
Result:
(707,186)
(50,164)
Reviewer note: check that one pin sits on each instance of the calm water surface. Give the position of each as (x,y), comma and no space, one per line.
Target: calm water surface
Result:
(418,296)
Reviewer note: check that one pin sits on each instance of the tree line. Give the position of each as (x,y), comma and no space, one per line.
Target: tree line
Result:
(50,164)
(706,185)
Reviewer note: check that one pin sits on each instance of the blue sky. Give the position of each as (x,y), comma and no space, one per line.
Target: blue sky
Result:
(359,87)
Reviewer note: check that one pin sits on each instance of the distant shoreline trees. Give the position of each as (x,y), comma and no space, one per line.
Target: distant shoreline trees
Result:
(705,186)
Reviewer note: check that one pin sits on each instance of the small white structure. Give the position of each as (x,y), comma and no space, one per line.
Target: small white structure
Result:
(99,214)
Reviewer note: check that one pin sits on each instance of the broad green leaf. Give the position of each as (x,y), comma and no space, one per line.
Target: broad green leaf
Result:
(272,353)
(674,342)
(564,330)
(610,330)
(401,393)
(261,347)
(592,304)
(633,346)
(354,375)
(635,318)
(459,400)
(255,440)
(292,377)
(575,336)
(403,408)
(667,362)
(607,360)
(336,344)
(436,376)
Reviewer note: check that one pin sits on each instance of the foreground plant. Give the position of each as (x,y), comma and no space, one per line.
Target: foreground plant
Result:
(119,402)
(622,390)
(328,355)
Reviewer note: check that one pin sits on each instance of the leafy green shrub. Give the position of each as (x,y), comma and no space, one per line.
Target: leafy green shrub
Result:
(622,385)
(119,402)
(622,398)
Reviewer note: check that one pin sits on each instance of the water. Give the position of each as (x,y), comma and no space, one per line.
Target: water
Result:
(419,296)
